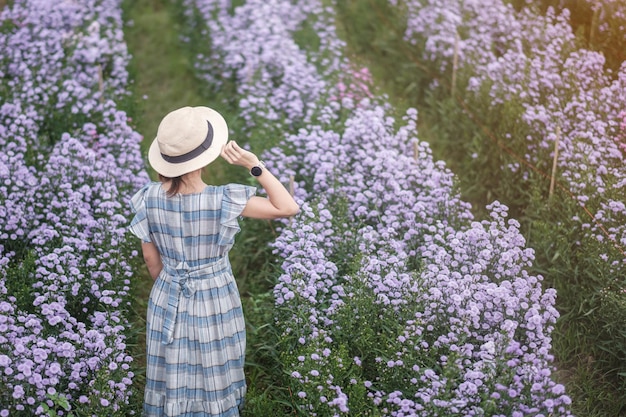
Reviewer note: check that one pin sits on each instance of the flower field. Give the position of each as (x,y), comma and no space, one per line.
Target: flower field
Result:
(391,297)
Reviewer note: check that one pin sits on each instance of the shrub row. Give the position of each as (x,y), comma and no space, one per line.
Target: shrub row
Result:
(546,115)
(69,163)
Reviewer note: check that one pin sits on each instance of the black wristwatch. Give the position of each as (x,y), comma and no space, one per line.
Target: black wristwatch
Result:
(257,170)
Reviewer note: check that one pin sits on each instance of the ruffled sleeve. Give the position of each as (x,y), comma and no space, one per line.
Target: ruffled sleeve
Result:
(139,224)
(234,200)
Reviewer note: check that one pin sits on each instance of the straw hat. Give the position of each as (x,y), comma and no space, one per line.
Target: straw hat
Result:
(188,138)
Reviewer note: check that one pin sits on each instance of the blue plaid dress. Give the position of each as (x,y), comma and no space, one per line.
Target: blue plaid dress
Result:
(195,336)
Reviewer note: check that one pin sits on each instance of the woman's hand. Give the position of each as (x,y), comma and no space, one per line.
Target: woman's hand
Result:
(236,155)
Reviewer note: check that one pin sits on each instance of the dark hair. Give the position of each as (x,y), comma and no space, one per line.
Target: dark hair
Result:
(176,184)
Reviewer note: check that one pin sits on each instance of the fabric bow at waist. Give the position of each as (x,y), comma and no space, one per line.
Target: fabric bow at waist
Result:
(183,277)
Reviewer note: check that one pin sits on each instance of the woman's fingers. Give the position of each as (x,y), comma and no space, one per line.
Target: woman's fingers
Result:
(236,155)
(232,152)
(225,154)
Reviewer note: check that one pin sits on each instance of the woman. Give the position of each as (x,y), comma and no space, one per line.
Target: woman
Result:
(195,326)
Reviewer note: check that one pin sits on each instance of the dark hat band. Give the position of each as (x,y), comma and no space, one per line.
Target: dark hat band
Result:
(194,152)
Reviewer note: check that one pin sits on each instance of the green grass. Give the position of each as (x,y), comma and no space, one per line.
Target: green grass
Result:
(162,72)
(164,79)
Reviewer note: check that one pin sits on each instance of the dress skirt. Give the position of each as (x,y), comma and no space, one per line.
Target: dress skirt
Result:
(195,342)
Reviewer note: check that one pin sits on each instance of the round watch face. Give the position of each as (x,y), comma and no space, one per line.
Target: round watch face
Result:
(256,171)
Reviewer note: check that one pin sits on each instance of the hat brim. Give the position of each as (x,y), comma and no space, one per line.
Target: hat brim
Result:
(220,137)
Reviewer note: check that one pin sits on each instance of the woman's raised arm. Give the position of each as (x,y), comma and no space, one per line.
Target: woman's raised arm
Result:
(279,203)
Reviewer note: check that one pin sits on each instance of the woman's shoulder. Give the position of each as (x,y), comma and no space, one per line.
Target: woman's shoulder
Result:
(149,191)
(152,188)
(226,189)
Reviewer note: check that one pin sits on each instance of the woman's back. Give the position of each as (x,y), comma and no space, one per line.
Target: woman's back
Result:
(195,228)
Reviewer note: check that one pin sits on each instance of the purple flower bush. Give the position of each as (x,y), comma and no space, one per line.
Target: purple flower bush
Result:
(70,161)
(391,297)
(286,90)
(566,96)
(275,81)
(451,299)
